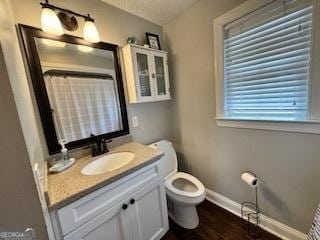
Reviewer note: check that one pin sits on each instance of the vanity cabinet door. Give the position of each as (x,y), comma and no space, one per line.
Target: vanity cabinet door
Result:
(143,72)
(149,212)
(113,224)
(160,76)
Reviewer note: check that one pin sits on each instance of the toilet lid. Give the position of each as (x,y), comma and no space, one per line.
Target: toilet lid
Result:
(168,163)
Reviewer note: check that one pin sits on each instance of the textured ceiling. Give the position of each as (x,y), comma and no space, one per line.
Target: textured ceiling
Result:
(156,11)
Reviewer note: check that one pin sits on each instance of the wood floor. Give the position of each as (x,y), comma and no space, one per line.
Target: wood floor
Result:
(215,224)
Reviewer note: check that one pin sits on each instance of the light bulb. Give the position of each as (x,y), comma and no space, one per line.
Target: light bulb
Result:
(85,49)
(50,22)
(53,43)
(90,32)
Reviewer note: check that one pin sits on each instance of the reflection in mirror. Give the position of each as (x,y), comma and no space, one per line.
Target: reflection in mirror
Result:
(82,89)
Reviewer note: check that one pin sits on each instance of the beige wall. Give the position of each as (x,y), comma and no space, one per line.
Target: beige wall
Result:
(19,202)
(289,163)
(28,121)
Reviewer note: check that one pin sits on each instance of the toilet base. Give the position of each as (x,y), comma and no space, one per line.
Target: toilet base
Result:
(184,215)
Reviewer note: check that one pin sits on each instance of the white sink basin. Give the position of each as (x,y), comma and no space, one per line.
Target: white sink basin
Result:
(108,163)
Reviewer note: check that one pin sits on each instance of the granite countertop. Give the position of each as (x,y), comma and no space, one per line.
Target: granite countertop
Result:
(65,187)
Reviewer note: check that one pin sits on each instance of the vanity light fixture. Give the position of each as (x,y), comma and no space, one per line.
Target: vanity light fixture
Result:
(54,19)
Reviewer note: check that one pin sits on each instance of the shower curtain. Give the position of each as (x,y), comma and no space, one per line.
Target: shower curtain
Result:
(83,106)
(314,233)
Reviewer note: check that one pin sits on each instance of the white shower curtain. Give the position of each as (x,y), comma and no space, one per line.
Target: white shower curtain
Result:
(82,106)
(314,233)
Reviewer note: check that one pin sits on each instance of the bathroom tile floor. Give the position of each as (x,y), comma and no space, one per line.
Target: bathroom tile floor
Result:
(215,224)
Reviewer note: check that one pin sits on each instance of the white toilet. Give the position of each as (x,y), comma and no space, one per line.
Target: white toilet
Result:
(184,191)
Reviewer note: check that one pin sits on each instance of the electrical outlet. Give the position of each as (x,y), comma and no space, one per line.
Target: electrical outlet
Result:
(135,121)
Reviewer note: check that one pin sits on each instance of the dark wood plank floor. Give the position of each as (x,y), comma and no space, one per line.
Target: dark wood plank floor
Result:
(215,224)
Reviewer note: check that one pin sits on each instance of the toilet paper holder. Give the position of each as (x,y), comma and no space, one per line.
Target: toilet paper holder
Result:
(250,211)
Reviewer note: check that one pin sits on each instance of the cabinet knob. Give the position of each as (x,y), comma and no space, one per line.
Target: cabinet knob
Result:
(132,201)
(124,206)
(153,75)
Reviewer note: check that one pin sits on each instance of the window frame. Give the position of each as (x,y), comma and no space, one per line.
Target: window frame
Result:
(312,124)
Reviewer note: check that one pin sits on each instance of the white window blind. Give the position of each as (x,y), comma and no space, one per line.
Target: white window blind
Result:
(266,63)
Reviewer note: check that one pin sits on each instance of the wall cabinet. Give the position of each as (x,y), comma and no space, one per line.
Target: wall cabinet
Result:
(147,74)
(133,208)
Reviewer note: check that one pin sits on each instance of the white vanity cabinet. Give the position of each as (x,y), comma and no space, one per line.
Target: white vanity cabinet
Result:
(132,208)
(148,214)
(112,224)
(147,74)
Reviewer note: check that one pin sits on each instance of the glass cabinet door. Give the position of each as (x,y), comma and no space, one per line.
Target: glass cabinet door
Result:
(151,75)
(145,88)
(161,76)
(159,67)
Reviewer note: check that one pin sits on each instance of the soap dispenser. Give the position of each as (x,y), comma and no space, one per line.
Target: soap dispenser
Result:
(65,162)
(64,150)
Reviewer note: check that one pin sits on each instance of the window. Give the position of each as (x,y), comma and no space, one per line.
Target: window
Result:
(264,53)
(267,67)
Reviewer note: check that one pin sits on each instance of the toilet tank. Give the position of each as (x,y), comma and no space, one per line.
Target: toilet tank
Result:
(168,163)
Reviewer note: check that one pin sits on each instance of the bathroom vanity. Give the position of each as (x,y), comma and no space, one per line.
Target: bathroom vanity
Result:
(126,203)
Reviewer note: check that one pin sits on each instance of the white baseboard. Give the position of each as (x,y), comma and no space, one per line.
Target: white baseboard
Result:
(279,229)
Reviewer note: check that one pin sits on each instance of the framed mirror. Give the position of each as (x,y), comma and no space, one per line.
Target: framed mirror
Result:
(78,87)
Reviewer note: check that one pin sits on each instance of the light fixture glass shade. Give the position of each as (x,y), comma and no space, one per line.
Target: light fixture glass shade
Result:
(53,43)
(85,49)
(50,22)
(90,32)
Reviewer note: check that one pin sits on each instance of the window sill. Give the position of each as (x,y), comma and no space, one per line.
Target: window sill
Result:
(310,126)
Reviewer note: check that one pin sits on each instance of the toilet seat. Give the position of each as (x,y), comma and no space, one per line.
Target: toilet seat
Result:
(188,178)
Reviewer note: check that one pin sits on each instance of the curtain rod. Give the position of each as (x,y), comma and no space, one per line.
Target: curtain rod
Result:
(78,74)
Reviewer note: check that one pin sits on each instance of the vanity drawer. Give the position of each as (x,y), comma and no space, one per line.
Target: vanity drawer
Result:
(87,207)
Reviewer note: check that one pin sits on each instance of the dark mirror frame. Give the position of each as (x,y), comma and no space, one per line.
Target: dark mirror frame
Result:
(28,35)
